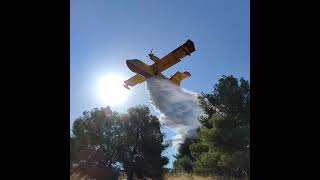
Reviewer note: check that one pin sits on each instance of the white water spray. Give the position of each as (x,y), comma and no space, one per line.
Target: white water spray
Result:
(179,109)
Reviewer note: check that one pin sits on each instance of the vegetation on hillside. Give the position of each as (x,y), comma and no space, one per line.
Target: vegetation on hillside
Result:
(222,146)
(106,144)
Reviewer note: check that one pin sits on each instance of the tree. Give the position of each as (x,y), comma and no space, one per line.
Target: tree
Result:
(105,141)
(95,142)
(224,139)
(183,164)
(72,150)
(142,147)
(184,159)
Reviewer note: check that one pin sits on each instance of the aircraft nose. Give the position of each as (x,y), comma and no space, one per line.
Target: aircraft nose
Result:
(130,61)
(130,64)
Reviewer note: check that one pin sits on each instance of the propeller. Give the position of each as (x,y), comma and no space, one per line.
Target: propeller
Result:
(150,53)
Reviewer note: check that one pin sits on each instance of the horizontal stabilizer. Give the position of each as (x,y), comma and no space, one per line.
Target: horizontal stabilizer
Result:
(179,76)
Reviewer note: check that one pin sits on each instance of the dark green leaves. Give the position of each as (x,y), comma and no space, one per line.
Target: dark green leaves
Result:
(107,139)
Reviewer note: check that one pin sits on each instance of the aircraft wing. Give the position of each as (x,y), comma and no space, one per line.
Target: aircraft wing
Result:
(134,80)
(176,55)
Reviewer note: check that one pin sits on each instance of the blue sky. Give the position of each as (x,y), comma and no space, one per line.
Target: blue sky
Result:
(105,33)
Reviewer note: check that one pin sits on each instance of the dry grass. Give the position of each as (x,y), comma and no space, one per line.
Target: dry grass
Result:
(167,177)
(183,177)
(78,177)
(191,177)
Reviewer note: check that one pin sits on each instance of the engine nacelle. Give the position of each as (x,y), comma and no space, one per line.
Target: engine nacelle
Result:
(154,58)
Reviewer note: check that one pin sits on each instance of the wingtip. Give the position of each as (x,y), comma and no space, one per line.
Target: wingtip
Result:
(126,86)
(190,45)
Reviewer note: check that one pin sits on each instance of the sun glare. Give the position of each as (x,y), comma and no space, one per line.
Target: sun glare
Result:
(111,90)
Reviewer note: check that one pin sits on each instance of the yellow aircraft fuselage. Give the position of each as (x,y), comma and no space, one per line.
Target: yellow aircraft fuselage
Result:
(141,68)
(145,71)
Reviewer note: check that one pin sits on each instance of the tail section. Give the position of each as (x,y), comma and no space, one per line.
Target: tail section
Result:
(179,76)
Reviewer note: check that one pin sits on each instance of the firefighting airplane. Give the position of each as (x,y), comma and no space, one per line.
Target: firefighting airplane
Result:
(145,71)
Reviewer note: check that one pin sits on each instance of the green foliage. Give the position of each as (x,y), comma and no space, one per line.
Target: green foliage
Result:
(223,145)
(183,164)
(73,151)
(96,136)
(184,159)
(142,147)
(106,139)
(184,148)
(197,149)
(226,129)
